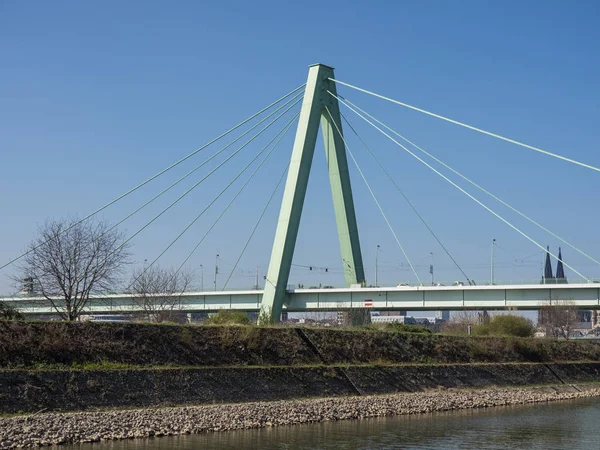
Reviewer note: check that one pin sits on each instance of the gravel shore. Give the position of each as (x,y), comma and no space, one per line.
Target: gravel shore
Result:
(61,428)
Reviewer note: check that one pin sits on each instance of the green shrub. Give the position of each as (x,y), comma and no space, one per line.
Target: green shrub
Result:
(9,313)
(481,330)
(398,327)
(506,325)
(228,317)
(265,317)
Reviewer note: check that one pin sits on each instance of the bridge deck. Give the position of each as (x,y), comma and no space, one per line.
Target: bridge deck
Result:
(523,297)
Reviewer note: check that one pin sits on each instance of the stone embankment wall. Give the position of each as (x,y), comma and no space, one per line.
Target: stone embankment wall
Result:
(61,366)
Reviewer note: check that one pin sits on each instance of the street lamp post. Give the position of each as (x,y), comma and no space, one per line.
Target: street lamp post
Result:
(201,277)
(492,262)
(431,267)
(377,266)
(216,270)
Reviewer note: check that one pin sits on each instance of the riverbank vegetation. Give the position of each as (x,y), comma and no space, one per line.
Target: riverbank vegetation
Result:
(34,344)
(228,317)
(506,325)
(9,313)
(481,324)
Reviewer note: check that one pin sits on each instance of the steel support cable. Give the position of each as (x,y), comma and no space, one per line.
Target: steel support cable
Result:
(203,163)
(473,183)
(406,198)
(240,173)
(112,202)
(256,226)
(373,194)
(456,186)
(206,176)
(470,127)
(237,194)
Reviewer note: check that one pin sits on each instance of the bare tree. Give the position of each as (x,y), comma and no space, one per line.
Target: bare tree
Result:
(558,318)
(359,316)
(461,321)
(158,291)
(317,316)
(70,261)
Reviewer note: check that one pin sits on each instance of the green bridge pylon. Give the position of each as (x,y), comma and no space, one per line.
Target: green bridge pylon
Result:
(314,112)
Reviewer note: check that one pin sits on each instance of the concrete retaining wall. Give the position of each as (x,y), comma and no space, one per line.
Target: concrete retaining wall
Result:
(30,391)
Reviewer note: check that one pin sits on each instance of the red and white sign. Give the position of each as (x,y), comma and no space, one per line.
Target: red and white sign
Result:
(368,303)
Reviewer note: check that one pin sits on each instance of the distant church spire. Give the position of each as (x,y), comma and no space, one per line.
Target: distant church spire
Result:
(560,272)
(548,267)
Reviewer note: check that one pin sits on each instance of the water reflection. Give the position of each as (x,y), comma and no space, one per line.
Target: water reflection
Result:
(559,425)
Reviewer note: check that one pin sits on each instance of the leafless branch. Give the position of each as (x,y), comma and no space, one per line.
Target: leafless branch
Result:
(558,318)
(68,265)
(158,292)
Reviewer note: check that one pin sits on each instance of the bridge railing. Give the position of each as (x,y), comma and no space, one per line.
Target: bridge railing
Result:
(525,281)
(514,282)
(118,292)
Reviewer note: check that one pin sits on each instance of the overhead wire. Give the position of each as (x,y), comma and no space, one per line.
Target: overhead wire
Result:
(236,195)
(470,127)
(405,197)
(524,258)
(240,173)
(473,183)
(112,202)
(504,250)
(315,267)
(373,194)
(456,186)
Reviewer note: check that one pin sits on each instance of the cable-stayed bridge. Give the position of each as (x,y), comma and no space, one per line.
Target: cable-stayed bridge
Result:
(319,105)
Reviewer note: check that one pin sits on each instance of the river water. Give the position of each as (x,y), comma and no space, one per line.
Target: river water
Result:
(570,425)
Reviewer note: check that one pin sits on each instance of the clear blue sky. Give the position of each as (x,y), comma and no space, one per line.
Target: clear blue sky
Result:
(96,97)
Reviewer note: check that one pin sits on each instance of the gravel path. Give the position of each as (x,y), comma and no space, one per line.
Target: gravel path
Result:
(60,428)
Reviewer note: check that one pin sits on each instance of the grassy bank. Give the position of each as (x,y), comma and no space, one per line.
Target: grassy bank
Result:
(52,344)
